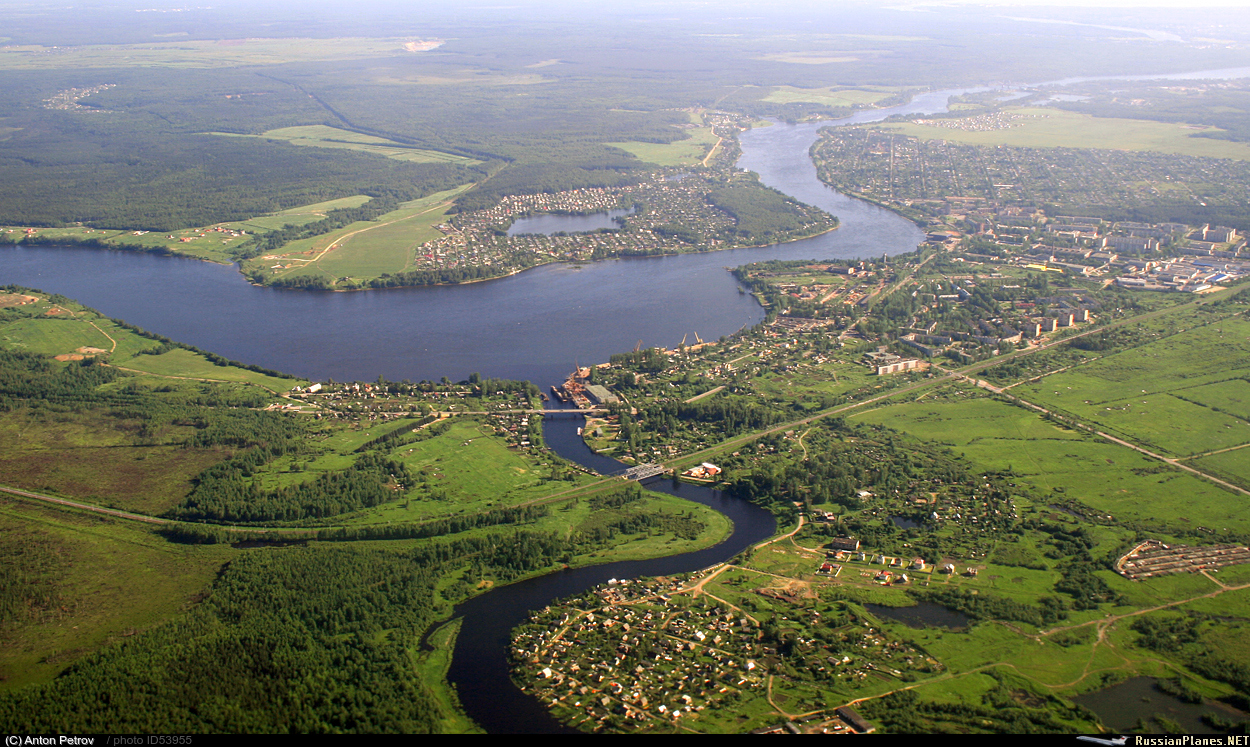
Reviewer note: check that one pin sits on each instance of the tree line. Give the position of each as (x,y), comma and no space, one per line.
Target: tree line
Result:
(222,494)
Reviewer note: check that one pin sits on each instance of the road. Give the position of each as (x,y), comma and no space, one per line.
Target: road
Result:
(738,441)
(84,506)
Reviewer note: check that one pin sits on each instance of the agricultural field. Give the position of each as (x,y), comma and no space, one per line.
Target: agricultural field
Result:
(323,136)
(53,336)
(463,466)
(1056,128)
(362,250)
(689,152)
(831,96)
(216,243)
(128,457)
(1064,464)
(69,331)
(180,363)
(1143,394)
(695,149)
(1232,465)
(100,459)
(320,208)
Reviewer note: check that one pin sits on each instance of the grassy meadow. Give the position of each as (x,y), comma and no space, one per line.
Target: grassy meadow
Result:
(1055,128)
(831,96)
(186,364)
(202,53)
(1066,464)
(87,581)
(1179,395)
(689,152)
(324,136)
(215,243)
(365,249)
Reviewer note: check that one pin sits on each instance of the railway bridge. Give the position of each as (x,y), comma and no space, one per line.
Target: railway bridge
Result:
(642,471)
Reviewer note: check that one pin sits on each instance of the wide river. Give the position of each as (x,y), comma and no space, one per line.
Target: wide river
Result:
(535,326)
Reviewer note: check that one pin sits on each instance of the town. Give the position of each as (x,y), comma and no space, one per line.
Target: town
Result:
(645,654)
(671,211)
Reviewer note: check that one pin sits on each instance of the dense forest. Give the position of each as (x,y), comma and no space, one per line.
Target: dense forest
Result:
(761,214)
(222,494)
(150,151)
(134,174)
(304,639)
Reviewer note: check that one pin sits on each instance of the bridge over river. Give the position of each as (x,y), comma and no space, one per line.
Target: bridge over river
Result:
(640,472)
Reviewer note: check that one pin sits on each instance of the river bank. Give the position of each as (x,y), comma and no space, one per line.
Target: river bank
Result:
(572,263)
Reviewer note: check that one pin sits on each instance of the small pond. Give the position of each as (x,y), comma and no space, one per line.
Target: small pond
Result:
(1121,706)
(1067,511)
(904,522)
(922,615)
(552,223)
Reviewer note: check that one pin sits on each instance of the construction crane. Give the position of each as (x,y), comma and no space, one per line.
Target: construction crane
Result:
(682,344)
(700,339)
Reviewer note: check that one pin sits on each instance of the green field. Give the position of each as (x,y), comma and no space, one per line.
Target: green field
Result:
(320,208)
(113,456)
(99,460)
(104,580)
(216,243)
(1055,128)
(831,96)
(53,336)
(468,468)
(1232,397)
(689,152)
(198,53)
(432,667)
(1144,393)
(1060,462)
(323,136)
(1232,465)
(185,364)
(365,249)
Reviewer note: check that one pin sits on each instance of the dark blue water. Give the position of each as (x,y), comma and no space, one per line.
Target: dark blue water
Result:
(922,615)
(552,223)
(533,326)
(1121,706)
(479,667)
